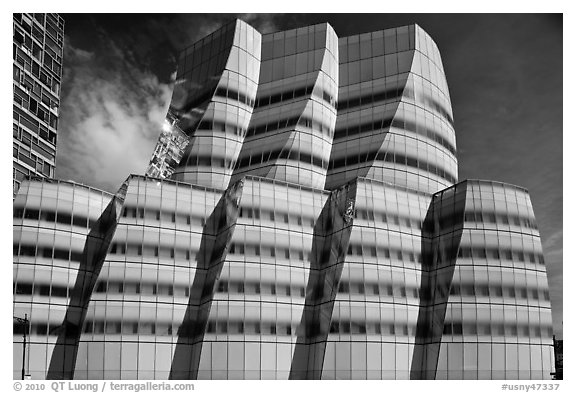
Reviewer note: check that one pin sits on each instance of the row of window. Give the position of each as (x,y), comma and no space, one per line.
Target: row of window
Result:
(250,327)
(52,52)
(234,95)
(455,329)
(46,252)
(112,287)
(52,23)
(186,254)
(437,106)
(43,95)
(158,215)
(33,143)
(224,286)
(392,157)
(151,251)
(272,215)
(221,126)
(290,123)
(506,219)
(256,288)
(37,131)
(493,291)
(209,160)
(292,94)
(65,218)
(41,76)
(294,155)
(140,288)
(163,329)
(33,85)
(23,36)
(389,253)
(274,252)
(244,212)
(430,102)
(362,288)
(258,250)
(41,289)
(36,106)
(384,252)
(23,155)
(501,254)
(37,103)
(497,329)
(398,123)
(431,134)
(370,215)
(357,327)
(463,252)
(285,329)
(449,221)
(392,93)
(498,291)
(22,117)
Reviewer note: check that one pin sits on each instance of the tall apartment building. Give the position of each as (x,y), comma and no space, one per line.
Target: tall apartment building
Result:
(37,73)
(301,218)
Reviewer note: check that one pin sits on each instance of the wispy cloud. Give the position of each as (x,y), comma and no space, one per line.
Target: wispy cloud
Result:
(264,23)
(111,117)
(114,98)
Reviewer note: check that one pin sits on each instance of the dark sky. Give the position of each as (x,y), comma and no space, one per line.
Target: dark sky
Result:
(504,73)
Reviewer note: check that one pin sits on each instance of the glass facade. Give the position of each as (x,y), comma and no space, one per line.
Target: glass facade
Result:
(57,242)
(296,260)
(485,306)
(394,114)
(291,131)
(211,108)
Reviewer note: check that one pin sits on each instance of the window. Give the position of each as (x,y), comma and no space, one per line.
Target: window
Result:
(131,288)
(252,288)
(496,291)
(148,289)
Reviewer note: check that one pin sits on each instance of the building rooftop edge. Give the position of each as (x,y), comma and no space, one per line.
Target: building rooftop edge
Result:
(42,179)
(509,185)
(282,182)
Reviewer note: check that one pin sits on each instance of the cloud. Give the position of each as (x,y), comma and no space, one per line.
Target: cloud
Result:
(117,85)
(264,23)
(111,116)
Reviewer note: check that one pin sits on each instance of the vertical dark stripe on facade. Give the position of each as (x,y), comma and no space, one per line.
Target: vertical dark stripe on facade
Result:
(63,360)
(329,246)
(214,246)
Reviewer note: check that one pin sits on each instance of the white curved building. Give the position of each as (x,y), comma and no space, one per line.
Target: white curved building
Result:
(301,218)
